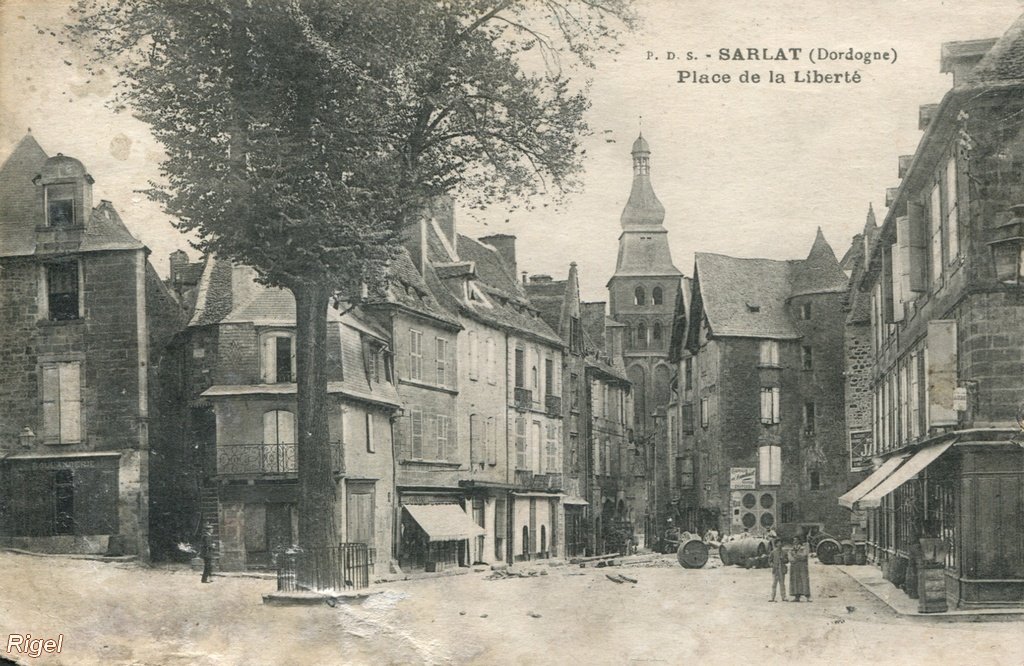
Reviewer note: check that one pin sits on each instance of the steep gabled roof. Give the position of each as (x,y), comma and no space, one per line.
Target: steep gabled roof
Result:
(106,231)
(745,297)
(549,300)
(18,205)
(490,267)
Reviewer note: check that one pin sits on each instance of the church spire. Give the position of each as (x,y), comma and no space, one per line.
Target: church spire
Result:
(643,208)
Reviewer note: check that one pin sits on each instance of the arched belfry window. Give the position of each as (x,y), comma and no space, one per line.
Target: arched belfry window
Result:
(656,296)
(639,296)
(641,335)
(656,333)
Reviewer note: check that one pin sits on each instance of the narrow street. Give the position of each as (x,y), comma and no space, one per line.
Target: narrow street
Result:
(126,614)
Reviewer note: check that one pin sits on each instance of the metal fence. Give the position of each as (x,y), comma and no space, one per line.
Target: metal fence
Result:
(342,567)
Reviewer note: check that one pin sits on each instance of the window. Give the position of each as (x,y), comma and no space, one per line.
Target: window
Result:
(815,480)
(788,513)
(522,451)
(535,375)
(684,471)
(278,427)
(415,354)
(607,457)
(656,296)
(520,368)
(441,347)
(574,452)
(62,291)
(60,205)
(549,377)
(656,333)
(277,362)
(770,405)
(371,446)
(574,392)
(915,396)
(806,358)
(492,374)
(704,420)
(952,222)
(443,438)
(62,403)
(575,335)
(688,373)
(805,311)
(769,352)
(551,449)
(491,441)
(687,419)
(474,356)
(597,458)
(416,433)
(639,296)
(641,335)
(935,211)
(769,461)
(809,417)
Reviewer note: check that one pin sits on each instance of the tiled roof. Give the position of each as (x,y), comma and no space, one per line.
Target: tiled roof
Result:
(106,231)
(490,267)
(215,299)
(745,297)
(549,300)
(409,289)
(1005,60)
(593,318)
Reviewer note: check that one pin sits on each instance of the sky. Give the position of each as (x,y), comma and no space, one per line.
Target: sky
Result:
(745,169)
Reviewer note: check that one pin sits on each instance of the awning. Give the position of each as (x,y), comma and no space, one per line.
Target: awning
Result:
(909,470)
(574,501)
(444,522)
(850,497)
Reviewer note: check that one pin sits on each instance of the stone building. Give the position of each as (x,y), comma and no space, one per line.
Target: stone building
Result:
(944,282)
(604,477)
(84,321)
(765,372)
(235,444)
(641,297)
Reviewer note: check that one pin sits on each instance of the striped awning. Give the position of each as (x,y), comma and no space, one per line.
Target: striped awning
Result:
(908,471)
(850,497)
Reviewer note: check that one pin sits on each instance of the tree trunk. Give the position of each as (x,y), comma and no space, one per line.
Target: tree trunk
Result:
(317,465)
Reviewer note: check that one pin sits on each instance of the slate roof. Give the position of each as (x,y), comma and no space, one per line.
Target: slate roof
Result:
(549,300)
(1005,60)
(732,287)
(19,209)
(410,290)
(490,267)
(820,272)
(594,319)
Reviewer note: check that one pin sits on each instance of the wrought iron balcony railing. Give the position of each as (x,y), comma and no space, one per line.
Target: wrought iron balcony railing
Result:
(523,398)
(553,405)
(271,459)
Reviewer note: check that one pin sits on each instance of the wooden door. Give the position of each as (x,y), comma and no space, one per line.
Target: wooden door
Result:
(359,513)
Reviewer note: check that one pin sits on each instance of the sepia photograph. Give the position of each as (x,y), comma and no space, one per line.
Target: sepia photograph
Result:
(485,332)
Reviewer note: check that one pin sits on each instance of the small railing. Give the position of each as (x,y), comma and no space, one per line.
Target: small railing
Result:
(342,567)
(523,398)
(553,405)
(525,478)
(241,459)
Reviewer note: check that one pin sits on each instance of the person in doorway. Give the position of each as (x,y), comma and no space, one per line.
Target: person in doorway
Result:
(799,579)
(207,550)
(777,561)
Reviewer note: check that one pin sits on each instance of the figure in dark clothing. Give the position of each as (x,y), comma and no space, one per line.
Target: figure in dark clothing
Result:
(207,550)
(799,581)
(777,559)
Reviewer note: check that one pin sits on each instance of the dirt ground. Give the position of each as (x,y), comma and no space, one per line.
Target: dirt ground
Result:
(128,614)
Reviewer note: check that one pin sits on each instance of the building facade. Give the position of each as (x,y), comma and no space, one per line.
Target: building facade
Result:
(763,382)
(943,280)
(85,318)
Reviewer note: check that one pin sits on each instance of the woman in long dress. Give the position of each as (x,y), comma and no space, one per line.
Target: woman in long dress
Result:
(799,580)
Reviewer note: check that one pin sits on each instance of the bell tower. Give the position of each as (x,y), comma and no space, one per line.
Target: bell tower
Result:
(642,292)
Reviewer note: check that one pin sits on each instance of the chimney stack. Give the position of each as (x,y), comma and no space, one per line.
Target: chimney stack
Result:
(505,244)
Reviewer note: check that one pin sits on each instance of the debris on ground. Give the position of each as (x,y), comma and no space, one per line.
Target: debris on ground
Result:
(614,579)
(503,574)
(532,614)
(850,609)
(628,579)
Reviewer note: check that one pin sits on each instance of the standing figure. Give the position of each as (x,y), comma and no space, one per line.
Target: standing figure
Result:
(799,579)
(207,549)
(777,561)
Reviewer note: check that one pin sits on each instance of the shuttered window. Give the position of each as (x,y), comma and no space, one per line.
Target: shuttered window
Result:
(62,403)
(769,459)
(770,400)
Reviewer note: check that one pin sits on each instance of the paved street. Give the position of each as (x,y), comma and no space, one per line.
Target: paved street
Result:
(124,614)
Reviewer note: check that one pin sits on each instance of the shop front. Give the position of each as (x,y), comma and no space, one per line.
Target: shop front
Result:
(436,534)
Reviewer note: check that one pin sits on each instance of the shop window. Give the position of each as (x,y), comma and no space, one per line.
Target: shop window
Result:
(49,502)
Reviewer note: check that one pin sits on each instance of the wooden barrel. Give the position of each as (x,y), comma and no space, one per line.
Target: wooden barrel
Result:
(829,551)
(737,552)
(692,553)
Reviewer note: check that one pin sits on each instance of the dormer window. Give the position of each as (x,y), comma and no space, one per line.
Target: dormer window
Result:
(277,362)
(60,205)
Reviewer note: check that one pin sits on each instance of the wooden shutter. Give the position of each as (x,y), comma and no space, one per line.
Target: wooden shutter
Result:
(888,309)
(492,441)
(917,247)
(51,404)
(941,372)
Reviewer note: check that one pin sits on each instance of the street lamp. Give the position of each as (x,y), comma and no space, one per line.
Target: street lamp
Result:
(27,438)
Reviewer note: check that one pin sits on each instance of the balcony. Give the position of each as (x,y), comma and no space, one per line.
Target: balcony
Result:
(267,459)
(523,398)
(553,405)
(528,480)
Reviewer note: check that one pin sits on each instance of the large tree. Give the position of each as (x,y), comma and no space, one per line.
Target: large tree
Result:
(302,135)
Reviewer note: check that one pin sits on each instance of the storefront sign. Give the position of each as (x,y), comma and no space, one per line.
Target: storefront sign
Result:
(742,478)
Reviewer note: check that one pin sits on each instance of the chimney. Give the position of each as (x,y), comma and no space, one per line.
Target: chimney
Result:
(442,210)
(540,279)
(505,244)
(415,241)
(178,260)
